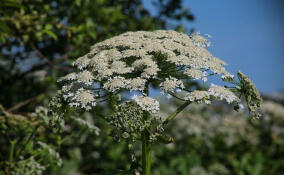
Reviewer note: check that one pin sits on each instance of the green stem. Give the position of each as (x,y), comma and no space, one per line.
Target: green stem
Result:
(23,146)
(177,111)
(146,153)
(146,144)
(12,150)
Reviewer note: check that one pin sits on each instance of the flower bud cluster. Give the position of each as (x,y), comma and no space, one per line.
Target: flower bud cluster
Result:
(253,97)
(129,120)
(27,166)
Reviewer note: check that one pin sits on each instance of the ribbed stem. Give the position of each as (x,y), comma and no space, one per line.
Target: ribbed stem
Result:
(146,153)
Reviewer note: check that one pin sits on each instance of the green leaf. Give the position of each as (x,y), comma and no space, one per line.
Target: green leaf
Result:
(48,26)
(11,4)
(4,28)
(50,33)
(78,2)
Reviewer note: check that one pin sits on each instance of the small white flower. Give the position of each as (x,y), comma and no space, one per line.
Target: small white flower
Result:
(85,77)
(120,67)
(81,62)
(136,84)
(147,103)
(195,73)
(223,93)
(198,96)
(199,40)
(170,84)
(71,76)
(83,98)
(115,83)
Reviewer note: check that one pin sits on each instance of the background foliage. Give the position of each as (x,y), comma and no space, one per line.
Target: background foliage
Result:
(39,39)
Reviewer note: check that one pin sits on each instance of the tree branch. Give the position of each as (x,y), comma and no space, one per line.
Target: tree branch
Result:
(38,52)
(21,104)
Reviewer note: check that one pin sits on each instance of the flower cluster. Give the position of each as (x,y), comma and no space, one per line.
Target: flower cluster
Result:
(27,166)
(198,96)
(147,103)
(133,60)
(196,74)
(222,93)
(129,120)
(214,92)
(170,84)
(252,96)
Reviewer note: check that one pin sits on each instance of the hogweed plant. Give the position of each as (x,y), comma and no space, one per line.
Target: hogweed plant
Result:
(138,62)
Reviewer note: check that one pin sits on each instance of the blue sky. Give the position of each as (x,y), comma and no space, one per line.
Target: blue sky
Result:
(247,34)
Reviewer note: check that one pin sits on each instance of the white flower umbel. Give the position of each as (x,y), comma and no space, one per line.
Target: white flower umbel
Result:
(147,104)
(170,84)
(71,76)
(81,62)
(85,77)
(133,61)
(140,61)
(199,40)
(120,67)
(198,96)
(196,74)
(222,93)
(137,84)
(115,83)
(83,98)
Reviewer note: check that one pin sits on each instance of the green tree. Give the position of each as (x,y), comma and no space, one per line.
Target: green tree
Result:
(38,38)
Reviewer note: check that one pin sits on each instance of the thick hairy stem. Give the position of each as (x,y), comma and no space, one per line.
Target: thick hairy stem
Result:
(146,145)
(146,153)
(177,111)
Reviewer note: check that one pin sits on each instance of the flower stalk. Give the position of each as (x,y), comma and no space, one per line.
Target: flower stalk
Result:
(146,153)
(176,112)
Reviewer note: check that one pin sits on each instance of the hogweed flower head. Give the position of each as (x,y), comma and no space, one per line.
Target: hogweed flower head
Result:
(133,61)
